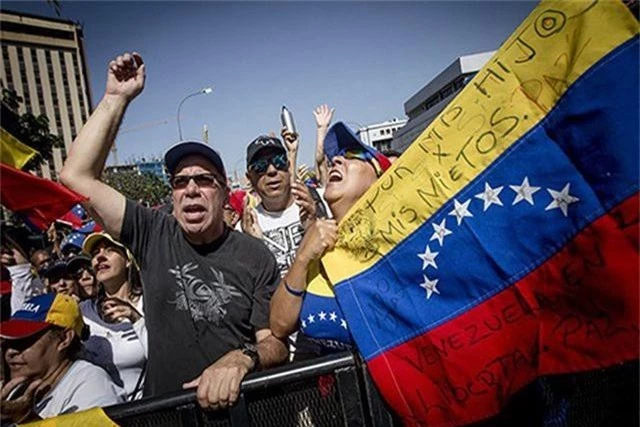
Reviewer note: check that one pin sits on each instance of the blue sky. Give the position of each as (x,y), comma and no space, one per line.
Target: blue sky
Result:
(363,58)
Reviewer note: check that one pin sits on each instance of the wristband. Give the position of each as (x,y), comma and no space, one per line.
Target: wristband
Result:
(293,292)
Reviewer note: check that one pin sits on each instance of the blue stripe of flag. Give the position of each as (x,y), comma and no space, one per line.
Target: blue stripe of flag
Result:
(589,141)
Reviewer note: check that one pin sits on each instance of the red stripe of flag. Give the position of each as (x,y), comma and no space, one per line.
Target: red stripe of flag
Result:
(41,200)
(577,312)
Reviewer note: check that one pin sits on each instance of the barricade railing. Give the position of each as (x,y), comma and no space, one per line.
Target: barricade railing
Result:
(329,391)
(337,391)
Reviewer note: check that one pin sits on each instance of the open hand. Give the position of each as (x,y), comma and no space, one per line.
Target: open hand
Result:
(249,222)
(323,115)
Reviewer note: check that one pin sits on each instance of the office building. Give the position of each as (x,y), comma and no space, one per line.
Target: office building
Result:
(43,61)
(380,135)
(424,106)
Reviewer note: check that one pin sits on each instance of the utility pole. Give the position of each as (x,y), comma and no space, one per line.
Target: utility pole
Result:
(205,134)
(114,152)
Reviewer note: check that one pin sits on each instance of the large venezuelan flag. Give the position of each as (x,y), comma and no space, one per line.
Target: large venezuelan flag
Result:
(503,245)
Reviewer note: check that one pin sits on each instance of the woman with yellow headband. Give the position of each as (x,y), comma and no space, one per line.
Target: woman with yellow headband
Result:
(304,300)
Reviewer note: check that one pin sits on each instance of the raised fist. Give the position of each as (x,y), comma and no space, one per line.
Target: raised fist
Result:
(125,76)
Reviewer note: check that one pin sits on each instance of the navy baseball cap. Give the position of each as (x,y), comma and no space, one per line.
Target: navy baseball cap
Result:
(186,148)
(56,267)
(341,139)
(262,142)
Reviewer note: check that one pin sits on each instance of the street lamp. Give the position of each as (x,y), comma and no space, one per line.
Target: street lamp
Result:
(204,91)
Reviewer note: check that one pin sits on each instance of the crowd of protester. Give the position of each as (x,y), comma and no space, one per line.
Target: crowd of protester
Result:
(197,294)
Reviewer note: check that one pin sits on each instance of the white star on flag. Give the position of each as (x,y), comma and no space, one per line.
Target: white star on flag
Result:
(311,318)
(561,199)
(490,196)
(440,231)
(322,315)
(343,323)
(428,258)
(430,286)
(304,324)
(332,316)
(461,210)
(524,192)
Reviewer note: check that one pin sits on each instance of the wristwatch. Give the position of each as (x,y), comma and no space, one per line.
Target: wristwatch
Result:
(252,351)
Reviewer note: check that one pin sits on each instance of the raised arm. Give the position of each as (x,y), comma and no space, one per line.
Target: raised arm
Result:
(323,115)
(83,168)
(286,301)
(292,142)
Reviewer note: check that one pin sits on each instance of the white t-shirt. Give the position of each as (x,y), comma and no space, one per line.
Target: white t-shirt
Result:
(83,386)
(282,233)
(119,348)
(24,285)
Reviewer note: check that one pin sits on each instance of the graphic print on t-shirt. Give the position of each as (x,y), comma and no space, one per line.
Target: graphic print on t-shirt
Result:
(283,243)
(204,301)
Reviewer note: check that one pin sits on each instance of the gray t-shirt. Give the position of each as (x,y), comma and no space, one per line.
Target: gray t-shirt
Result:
(200,301)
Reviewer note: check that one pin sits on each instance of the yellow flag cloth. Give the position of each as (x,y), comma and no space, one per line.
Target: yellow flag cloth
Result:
(13,152)
(93,417)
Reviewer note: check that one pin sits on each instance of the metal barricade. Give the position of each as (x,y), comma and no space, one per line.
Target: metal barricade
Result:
(329,391)
(337,391)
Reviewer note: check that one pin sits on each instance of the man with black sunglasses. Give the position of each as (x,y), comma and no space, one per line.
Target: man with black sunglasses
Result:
(284,204)
(206,287)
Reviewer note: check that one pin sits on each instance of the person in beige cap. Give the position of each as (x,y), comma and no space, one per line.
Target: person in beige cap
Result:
(43,342)
(118,340)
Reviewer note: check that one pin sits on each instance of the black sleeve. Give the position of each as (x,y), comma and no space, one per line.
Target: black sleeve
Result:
(141,228)
(267,280)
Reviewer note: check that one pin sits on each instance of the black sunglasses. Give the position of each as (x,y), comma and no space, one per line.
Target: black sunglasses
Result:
(279,161)
(180,182)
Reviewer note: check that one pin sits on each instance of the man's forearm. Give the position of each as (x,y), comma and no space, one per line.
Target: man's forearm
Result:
(272,352)
(321,167)
(285,307)
(90,150)
(321,133)
(292,155)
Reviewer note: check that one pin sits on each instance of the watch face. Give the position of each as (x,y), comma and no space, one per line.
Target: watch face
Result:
(249,348)
(251,351)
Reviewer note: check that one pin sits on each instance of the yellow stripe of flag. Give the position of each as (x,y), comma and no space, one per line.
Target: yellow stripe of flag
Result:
(92,417)
(522,82)
(13,152)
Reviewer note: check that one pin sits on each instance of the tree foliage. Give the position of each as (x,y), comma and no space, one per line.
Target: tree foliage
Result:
(145,188)
(27,128)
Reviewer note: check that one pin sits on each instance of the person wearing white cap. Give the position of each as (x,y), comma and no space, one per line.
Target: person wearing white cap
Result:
(206,287)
